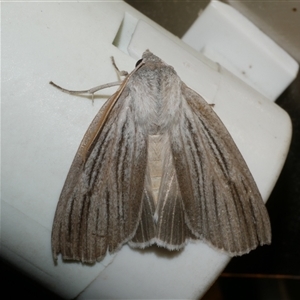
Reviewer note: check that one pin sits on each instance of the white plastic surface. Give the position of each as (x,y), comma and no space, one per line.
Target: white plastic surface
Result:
(224,35)
(71,44)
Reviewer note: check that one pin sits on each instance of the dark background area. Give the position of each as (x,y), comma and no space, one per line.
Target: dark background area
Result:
(268,273)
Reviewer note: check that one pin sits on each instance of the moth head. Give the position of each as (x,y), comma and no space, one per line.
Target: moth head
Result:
(149,56)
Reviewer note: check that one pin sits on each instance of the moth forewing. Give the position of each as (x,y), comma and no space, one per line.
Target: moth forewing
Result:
(63,210)
(234,216)
(157,166)
(63,227)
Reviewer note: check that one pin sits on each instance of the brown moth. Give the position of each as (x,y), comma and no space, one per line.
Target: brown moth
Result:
(157,166)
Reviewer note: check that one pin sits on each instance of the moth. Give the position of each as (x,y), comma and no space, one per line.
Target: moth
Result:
(157,166)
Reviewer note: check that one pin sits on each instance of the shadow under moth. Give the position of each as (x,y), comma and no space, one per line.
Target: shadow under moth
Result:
(157,166)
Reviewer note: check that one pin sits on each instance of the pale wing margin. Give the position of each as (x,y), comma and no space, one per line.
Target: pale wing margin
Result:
(221,200)
(101,202)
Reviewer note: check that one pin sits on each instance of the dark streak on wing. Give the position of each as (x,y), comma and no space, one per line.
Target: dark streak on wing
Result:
(94,213)
(219,194)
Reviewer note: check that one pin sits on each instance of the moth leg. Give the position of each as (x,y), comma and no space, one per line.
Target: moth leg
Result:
(89,91)
(120,73)
(92,91)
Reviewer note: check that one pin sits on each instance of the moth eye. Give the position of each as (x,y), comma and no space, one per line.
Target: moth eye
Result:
(138,62)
